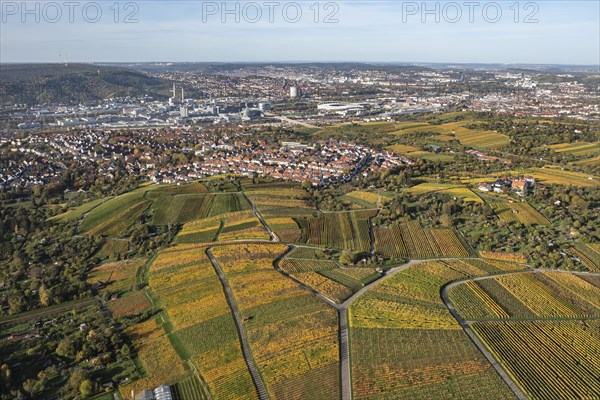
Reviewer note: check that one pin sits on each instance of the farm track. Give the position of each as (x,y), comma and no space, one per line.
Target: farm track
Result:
(274,237)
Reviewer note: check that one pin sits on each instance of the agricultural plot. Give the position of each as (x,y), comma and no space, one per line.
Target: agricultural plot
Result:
(560,177)
(407,239)
(405,344)
(168,204)
(295,266)
(114,249)
(527,296)
(327,278)
(353,278)
(577,149)
(115,216)
(160,361)
(277,201)
(588,254)
(243,228)
(457,130)
(117,276)
(481,139)
(227,203)
(502,256)
(231,226)
(402,148)
(129,304)
(204,330)
(179,209)
(548,359)
(427,155)
(292,334)
(80,211)
(588,162)
(189,389)
(285,228)
(343,230)
(366,199)
(458,191)
(519,212)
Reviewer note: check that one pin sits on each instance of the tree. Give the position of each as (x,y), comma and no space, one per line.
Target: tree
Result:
(86,388)
(65,348)
(45,296)
(5,377)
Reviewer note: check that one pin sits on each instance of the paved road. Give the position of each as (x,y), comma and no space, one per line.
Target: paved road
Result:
(256,378)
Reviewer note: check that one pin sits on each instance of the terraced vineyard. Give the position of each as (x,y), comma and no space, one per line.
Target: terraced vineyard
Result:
(407,345)
(292,335)
(407,239)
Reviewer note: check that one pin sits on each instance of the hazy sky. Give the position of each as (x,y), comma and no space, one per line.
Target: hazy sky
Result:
(546,31)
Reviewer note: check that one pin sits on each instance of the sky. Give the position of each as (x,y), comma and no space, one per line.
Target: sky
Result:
(463,31)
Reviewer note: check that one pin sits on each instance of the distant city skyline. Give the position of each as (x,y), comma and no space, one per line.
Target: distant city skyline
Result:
(566,32)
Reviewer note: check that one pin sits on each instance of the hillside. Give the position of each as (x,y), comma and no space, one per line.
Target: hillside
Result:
(57,83)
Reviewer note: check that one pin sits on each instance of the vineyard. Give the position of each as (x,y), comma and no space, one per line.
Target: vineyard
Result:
(130,304)
(280,201)
(179,209)
(458,191)
(189,290)
(292,335)
(577,148)
(407,345)
(407,239)
(161,362)
(560,177)
(539,295)
(326,277)
(294,266)
(340,230)
(117,276)
(589,254)
(519,212)
(512,257)
(549,360)
(366,199)
(285,228)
